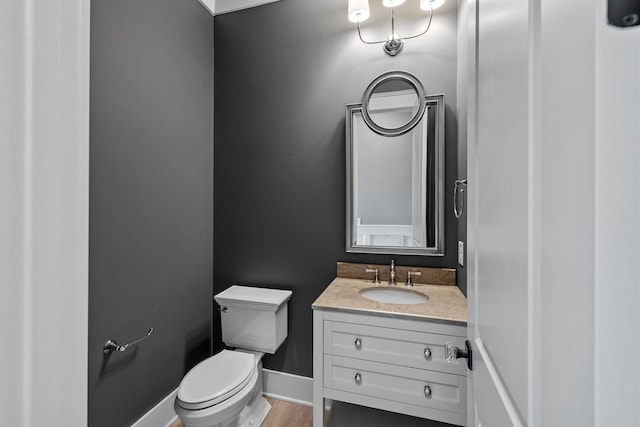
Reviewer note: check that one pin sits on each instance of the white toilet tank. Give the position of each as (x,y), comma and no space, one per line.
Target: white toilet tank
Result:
(253,318)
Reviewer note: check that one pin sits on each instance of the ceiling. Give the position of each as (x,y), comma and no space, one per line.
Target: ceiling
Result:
(217,7)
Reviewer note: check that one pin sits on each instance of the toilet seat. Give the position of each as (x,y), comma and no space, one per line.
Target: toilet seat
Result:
(216,379)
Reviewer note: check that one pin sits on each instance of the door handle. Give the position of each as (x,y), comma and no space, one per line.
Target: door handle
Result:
(451,353)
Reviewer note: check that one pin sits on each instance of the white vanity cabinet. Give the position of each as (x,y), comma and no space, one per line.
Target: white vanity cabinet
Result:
(393,363)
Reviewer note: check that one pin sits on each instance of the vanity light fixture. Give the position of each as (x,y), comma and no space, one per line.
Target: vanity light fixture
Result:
(359,12)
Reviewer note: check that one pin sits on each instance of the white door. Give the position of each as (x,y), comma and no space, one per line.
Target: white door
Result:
(554,197)
(498,213)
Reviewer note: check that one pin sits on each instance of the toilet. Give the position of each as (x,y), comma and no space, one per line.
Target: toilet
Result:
(225,390)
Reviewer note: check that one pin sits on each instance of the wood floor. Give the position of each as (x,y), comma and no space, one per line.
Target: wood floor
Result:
(287,414)
(283,414)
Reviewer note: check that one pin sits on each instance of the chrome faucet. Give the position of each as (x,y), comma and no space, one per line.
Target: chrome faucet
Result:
(392,273)
(409,274)
(373,270)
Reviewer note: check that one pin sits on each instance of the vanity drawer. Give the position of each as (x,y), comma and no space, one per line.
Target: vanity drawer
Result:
(414,349)
(436,390)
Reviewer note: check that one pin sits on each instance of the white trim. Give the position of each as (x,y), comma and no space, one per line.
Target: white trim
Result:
(210,5)
(160,415)
(508,404)
(534,220)
(59,209)
(288,387)
(218,7)
(27,211)
(45,144)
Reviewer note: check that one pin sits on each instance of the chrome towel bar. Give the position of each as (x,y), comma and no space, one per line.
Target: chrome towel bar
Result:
(111,345)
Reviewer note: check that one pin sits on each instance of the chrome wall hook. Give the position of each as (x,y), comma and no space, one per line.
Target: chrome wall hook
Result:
(463,184)
(111,345)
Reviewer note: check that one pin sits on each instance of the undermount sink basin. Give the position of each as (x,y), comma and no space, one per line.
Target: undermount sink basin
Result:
(394,295)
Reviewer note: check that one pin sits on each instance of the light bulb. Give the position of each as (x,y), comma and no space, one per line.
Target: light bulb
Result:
(431,4)
(392,3)
(358,10)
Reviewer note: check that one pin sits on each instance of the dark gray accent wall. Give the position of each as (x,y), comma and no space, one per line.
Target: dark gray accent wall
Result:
(284,73)
(151,200)
(465,97)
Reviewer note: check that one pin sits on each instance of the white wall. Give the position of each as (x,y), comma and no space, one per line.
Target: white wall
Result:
(617,296)
(564,219)
(591,151)
(44,218)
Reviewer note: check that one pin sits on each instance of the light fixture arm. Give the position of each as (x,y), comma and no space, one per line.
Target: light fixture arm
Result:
(426,29)
(393,44)
(366,42)
(393,21)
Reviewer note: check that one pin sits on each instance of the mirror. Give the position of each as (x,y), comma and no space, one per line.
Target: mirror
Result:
(395,182)
(393,103)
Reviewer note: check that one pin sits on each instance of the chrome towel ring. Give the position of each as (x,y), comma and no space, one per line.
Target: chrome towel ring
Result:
(463,184)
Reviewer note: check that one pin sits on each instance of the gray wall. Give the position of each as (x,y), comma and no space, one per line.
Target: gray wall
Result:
(464,99)
(284,73)
(151,207)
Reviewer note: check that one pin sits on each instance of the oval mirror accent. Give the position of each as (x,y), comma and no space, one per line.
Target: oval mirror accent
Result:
(393,103)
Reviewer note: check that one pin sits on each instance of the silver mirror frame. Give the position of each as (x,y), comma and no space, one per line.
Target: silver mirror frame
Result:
(412,81)
(438,249)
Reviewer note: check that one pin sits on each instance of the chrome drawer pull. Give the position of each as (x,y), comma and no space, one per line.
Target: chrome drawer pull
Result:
(358,378)
(427,391)
(358,343)
(427,353)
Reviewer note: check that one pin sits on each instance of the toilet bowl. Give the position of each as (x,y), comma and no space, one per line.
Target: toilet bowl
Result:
(225,390)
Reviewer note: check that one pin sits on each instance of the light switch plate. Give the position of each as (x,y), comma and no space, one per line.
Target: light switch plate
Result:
(461,253)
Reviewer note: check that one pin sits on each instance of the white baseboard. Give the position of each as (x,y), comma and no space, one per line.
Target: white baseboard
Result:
(289,387)
(279,385)
(160,415)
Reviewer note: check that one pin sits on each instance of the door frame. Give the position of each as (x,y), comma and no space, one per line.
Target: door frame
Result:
(46,203)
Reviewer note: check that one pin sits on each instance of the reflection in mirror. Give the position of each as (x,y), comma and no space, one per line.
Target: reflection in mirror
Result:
(394,188)
(393,103)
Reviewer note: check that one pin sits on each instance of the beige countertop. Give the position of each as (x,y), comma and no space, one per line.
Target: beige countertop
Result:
(446,303)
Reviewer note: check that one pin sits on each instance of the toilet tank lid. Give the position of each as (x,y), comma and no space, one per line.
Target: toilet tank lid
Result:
(260,298)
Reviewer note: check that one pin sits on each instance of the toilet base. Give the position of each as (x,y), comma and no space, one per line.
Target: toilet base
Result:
(254,413)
